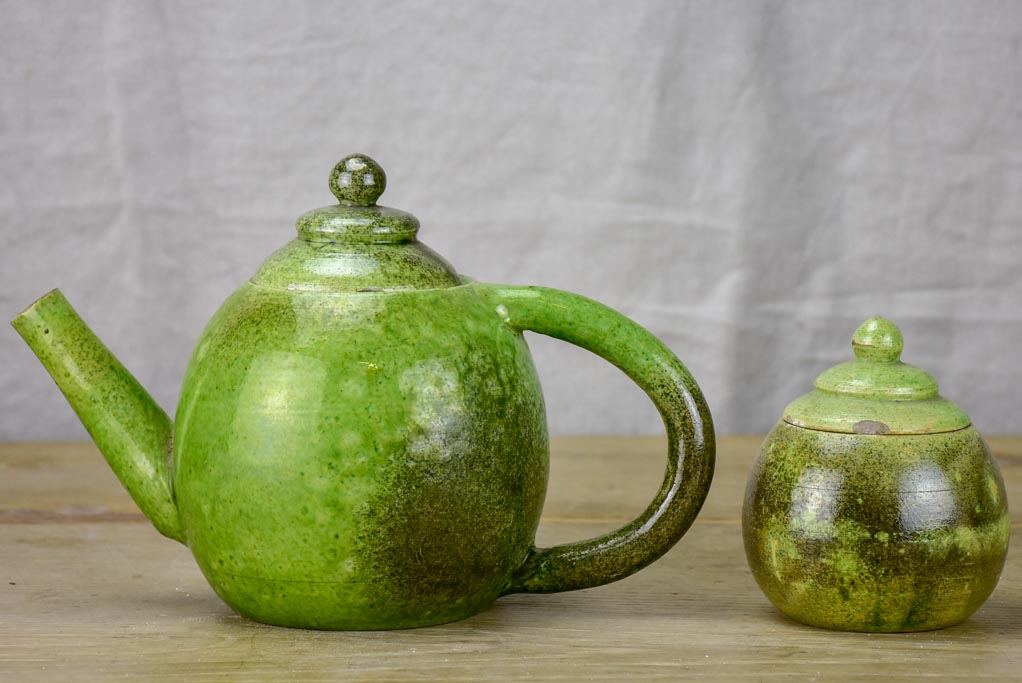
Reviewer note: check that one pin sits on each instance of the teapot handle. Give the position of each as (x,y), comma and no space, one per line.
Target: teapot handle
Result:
(690,448)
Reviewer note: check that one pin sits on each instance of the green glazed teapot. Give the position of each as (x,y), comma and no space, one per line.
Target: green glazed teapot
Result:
(361,439)
(875,505)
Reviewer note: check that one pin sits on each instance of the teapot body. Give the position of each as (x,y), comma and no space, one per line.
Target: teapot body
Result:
(875,532)
(359,460)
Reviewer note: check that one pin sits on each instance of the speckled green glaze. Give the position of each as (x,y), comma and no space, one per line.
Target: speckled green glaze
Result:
(878,531)
(875,533)
(131,430)
(369,461)
(361,440)
(876,393)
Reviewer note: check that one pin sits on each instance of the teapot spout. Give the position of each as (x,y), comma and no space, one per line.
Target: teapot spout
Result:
(132,432)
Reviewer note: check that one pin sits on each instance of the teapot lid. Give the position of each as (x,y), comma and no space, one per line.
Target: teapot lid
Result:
(876,393)
(356,245)
(357,181)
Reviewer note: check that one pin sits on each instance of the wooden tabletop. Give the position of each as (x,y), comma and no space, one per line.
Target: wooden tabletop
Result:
(89,591)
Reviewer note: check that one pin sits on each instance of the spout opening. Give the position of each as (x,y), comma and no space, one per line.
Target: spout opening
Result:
(28,310)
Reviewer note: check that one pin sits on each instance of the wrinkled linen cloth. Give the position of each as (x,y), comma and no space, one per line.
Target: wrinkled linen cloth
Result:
(749,180)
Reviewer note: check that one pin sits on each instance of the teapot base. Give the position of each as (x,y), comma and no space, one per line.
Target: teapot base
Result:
(328,606)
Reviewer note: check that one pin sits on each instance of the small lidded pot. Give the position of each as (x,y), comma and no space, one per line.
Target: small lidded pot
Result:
(874,504)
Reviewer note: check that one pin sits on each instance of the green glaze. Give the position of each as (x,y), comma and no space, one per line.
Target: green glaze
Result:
(130,429)
(362,461)
(875,531)
(876,393)
(361,440)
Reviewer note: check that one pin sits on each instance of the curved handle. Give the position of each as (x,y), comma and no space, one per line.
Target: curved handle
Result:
(690,441)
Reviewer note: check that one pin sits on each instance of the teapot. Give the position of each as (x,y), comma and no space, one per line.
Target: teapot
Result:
(875,504)
(361,439)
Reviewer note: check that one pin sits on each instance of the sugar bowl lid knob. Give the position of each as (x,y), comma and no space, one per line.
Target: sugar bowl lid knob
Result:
(878,339)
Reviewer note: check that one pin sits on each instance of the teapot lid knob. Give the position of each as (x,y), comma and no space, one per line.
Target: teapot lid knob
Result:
(878,339)
(357,180)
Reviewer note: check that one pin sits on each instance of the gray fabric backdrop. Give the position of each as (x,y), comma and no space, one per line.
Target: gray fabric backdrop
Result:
(749,180)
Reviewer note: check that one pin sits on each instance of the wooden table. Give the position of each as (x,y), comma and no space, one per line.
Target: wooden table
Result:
(90,592)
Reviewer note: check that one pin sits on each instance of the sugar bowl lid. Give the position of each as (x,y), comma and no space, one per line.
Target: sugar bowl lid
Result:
(876,393)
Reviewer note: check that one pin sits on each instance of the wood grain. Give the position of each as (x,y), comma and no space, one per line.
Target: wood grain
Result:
(90,592)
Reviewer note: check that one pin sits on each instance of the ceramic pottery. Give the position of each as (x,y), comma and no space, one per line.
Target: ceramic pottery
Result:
(361,440)
(874,504)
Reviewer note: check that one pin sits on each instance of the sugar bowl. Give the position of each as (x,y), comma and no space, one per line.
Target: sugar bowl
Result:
(874,504)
